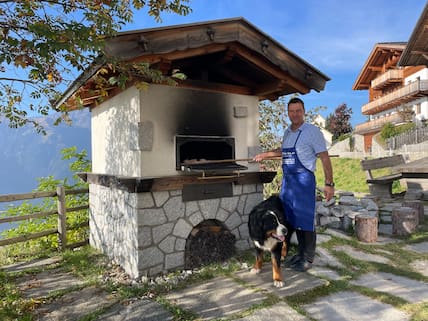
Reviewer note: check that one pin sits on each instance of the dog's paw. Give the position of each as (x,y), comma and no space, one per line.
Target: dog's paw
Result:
(278,284)
(255,271)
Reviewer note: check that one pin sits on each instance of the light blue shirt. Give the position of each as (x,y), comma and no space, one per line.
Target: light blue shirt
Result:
(311,142)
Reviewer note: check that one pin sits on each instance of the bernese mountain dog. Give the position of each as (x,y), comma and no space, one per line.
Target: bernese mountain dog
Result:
(268,230)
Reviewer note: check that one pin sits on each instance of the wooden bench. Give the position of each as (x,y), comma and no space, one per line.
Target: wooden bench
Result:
(382,186)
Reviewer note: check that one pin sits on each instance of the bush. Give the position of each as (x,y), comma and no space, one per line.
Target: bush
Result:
(388,130)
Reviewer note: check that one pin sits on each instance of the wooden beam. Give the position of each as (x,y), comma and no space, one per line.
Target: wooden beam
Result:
(267,89)
(25,196)
(276,72)
(27,237)
(181,54)
(375,68)
(419,52)
(217,87)
(164,65)
(238,77)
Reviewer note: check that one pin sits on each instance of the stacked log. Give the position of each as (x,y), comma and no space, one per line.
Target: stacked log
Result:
(366,228)
(419,206)
(405,220)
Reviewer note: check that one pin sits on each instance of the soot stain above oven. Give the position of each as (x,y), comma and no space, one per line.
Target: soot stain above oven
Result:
(204,114)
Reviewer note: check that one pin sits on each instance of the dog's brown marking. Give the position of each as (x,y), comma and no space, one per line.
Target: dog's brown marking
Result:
(259,261)
(284,250)
(276,269)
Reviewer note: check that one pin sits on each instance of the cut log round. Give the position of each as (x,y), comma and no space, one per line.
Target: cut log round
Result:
(418,206)
(366,227)
(405,220)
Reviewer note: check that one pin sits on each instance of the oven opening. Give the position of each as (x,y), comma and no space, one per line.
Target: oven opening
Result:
(208,242)
(192,151)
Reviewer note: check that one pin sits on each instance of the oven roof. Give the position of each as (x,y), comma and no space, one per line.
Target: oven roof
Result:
(416,52)
(229,55)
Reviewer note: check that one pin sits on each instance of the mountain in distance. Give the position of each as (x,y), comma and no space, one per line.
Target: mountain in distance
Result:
(26,155)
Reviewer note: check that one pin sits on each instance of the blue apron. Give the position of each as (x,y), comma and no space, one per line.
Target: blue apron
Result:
(298,190)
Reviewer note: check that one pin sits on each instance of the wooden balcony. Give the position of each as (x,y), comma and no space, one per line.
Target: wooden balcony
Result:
(377,124)
(398,97)
(392,76)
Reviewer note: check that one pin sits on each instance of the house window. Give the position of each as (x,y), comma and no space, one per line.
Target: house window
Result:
(417,109)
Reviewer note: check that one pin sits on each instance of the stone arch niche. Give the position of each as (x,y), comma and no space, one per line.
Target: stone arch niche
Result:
(208,242)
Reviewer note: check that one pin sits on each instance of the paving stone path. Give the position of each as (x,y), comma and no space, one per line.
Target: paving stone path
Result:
(242,296)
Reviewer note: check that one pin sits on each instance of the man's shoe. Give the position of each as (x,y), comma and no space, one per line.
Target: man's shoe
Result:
(302,266)
(290,262)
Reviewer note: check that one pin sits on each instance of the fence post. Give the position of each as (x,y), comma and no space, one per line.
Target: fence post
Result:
(62,237)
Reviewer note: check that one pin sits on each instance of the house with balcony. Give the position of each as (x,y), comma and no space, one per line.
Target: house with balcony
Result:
(396,78)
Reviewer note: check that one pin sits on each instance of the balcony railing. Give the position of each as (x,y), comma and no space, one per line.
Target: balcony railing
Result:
(377,124)
(389,77)
(400,96)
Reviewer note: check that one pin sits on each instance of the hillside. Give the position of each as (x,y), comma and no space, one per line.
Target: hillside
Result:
(26,155)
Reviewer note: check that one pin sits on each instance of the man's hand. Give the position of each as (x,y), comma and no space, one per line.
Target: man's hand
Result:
(328,192)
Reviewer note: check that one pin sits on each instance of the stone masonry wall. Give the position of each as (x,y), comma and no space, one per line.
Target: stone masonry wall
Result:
(146,233)
(113,225)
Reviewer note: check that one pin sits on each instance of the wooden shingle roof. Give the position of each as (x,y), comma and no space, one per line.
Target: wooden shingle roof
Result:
(229,55)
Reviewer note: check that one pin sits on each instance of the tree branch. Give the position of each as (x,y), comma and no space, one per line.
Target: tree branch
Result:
(17,79)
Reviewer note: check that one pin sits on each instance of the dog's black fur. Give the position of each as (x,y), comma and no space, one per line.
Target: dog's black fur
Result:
(268,229)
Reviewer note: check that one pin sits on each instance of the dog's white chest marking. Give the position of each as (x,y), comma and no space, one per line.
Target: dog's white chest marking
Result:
(268,244)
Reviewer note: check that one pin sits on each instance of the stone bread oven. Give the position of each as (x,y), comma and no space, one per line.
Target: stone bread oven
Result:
(154,206)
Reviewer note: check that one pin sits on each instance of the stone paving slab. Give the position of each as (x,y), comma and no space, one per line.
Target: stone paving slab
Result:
(324,258)
(44,283)
(295,282)
(410,290)
(382,239)
(24,266)
(420,266)
(418,247)
(352,306)
(142,310)
(217,298)
(323,238)
(75,305)
(338,233)
(361,255)
(321,271)
(280,311)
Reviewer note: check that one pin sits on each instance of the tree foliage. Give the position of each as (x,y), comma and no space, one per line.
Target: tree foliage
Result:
(272,123)
(44,43)
(338,123)
(390,130)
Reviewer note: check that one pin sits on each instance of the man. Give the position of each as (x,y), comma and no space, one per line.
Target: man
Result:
(302,144)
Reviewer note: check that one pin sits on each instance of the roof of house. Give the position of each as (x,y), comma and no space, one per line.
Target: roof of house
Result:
(416,51)
(385,52)
(229,55)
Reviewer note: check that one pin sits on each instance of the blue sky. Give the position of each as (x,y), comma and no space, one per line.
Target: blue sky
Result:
(335,36)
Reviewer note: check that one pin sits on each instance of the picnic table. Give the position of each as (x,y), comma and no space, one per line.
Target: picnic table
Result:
(415,173)
(415,169)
